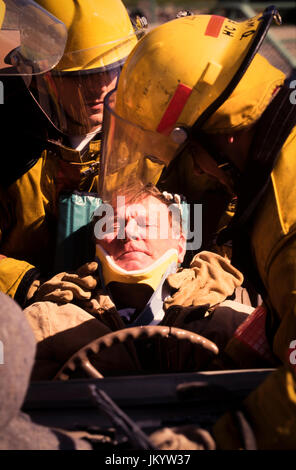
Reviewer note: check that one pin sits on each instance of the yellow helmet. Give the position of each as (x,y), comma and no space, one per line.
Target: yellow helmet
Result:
(100,33)
(32,40)
(100,37)
(179,78)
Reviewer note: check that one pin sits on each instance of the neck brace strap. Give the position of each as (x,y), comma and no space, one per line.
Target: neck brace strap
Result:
(150,276)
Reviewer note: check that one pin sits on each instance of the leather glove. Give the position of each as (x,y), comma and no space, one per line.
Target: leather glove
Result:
(187,437)
(83,287)
(101,306)
(66,287)
(209,280)
(192,437)
(99,303)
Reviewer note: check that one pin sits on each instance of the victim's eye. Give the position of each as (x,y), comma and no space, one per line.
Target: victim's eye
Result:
(144,221)
(110,226)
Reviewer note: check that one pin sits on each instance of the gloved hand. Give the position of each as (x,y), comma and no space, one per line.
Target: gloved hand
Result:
(101,306)
(239,434)
(99,303)
(66,287)
(82,286)
(209,280)
(187,437)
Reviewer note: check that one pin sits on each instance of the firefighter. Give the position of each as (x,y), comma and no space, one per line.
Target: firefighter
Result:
(197,86)
(55,129)
(17,340)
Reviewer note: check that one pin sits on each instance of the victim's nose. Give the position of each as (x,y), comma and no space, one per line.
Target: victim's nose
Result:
(132,229)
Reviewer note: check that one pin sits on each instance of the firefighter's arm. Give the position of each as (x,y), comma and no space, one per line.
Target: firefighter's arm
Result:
(16,276)
(281,282)
(18,279)
(272,406)
(271,412)
(66,287)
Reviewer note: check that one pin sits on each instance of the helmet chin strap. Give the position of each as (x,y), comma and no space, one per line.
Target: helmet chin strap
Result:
(78,124)
(222,160)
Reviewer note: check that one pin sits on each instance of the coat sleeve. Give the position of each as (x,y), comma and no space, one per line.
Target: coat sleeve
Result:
(16,278)
(272,406)
(271,410)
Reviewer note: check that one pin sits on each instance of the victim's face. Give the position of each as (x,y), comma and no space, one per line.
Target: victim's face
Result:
(141,233)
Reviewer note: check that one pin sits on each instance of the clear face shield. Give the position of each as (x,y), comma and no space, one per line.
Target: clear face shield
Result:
(72,94)
(32,41)
(131,156)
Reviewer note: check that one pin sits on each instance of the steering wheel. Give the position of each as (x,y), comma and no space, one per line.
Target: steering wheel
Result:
(82,358)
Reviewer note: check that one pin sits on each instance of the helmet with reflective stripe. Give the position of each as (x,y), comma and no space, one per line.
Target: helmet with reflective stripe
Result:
(199,72)
(184,70)
(100,37)
(100,33)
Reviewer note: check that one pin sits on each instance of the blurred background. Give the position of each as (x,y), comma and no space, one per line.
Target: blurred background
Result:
(280,45)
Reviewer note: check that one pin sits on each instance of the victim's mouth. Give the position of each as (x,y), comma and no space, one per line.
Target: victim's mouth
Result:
(131,251)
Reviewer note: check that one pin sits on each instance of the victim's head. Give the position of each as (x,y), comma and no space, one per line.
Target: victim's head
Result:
(139,230)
